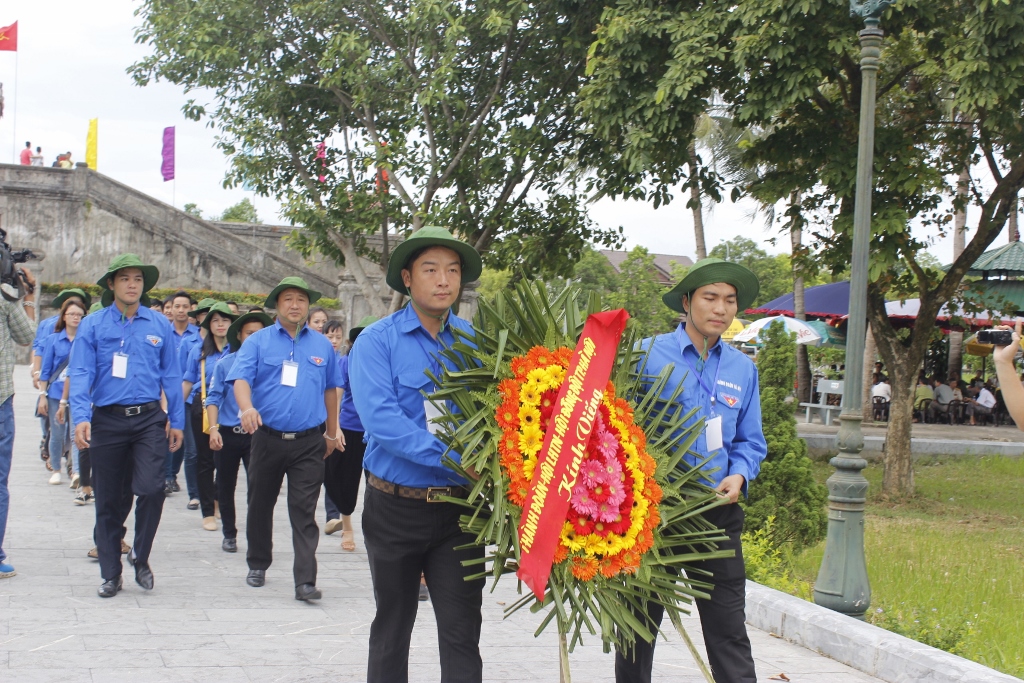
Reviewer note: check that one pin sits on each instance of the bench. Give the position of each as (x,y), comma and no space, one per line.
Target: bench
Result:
(825,412)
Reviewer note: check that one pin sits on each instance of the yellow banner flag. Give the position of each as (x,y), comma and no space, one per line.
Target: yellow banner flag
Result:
(91,143)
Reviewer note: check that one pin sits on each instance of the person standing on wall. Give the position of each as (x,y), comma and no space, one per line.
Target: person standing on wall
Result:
(228,439)
(286,384)
(121,361)
(199,368)
(344,468)
(408,530)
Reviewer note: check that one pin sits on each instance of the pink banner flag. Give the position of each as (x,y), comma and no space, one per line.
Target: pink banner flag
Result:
(167,167)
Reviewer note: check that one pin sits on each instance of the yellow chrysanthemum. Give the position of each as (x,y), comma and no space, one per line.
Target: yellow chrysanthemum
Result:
(537,375)
(530,417)
(529,394)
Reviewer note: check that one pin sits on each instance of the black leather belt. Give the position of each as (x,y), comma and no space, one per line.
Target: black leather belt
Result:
(431,494)
(291,436)
(130,411)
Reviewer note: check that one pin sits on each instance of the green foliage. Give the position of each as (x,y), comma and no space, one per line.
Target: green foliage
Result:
(493,281)
(242,212)
(770,564)
(192,209)
(954,634)
(441,113)
(775,273)
(639,292)
(785,490)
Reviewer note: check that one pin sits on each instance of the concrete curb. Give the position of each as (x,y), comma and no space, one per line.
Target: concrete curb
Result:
(822,444)
(870,649)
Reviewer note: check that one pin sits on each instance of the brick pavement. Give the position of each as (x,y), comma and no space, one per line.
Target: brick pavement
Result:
(202,623)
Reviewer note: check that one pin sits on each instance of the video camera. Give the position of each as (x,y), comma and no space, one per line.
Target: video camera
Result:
(12,280)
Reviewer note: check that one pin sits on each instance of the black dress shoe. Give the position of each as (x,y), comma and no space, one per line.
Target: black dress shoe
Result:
(256,577)
(174,486)
(131,557)
(168,489)
(144,576)
(229,545)
(307,592)
(110,588)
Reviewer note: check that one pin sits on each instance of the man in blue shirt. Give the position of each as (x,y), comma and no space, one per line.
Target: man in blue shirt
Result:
(186,337)
(228,439)
(122,359)
(408,530)
(286,383)
(721,383)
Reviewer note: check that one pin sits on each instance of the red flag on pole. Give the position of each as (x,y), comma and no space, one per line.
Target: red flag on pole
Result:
(9,38)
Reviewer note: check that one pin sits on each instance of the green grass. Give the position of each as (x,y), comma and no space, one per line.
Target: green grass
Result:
(947,566)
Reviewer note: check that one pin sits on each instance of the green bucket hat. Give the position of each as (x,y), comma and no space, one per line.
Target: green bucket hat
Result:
(709,271)
(366,321)
(432,236)
(96,307)
(202,307)
(221,308)
(66,294)
(290,283)
(150,274)
(107,298)
(240,322)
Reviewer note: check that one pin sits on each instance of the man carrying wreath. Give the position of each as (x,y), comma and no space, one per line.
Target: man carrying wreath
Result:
(408,526)
(721,383)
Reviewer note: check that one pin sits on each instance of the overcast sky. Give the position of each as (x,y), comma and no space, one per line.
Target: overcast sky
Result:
(71,68)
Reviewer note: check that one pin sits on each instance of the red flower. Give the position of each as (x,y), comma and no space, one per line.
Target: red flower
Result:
(547,405)
(581,524)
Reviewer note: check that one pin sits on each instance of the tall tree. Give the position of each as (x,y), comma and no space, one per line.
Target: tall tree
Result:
(469,109)
(795,71)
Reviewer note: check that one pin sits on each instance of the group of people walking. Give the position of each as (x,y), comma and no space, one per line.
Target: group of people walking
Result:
(279,399)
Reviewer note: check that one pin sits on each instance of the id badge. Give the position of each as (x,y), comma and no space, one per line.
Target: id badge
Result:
(432,411)
(120,366)
(289,373)
(713,433)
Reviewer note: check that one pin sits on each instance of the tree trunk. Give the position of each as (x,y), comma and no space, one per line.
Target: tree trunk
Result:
(803,362)
(1014,232)
(870,353)
(695,202)
(956,337)
(898,480)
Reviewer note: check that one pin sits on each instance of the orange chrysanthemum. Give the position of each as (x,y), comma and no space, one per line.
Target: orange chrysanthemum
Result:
(507,415)
(584,568)
(622,410)
(610,566)
(508,388)
(561,554)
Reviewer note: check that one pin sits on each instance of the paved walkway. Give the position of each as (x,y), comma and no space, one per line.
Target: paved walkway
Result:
(965,432)
(202,623)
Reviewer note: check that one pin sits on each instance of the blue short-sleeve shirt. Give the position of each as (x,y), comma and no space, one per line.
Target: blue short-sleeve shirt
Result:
(56,349)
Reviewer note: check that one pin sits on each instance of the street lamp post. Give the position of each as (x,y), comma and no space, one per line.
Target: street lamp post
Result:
(842,583)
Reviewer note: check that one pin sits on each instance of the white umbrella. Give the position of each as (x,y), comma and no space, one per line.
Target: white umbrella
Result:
(805,334)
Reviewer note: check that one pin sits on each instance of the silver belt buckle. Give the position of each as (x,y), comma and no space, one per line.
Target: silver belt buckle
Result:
(238,430)
(133,411)
(434,493)
(289,436)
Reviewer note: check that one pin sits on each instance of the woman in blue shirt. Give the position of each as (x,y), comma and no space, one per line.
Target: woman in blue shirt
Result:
(199,368)
(344,467)
(56,353)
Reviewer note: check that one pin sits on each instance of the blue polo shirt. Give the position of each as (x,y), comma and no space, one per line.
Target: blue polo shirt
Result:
(192,369)
(152,364)
(348,418)
(56,348)
(184,343)
(260,361)
(732,379)
(222,395)
(387,374)
(43,331)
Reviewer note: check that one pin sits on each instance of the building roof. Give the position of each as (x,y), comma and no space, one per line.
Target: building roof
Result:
(662,263)
(1007,260)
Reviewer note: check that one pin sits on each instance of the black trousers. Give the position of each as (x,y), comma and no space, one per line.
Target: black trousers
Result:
(205,464)
(235,451)
(404,539)
(343,470)
(270,460)
(128,456)
(722,617)
(84,467)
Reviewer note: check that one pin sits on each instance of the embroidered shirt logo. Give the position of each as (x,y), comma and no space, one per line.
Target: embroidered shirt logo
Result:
(317,359)
(730,400)
(154,340)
